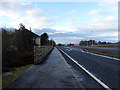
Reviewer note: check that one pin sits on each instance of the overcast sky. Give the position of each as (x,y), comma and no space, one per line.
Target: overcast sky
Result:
(65,22)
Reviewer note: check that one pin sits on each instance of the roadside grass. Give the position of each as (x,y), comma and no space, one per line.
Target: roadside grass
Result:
(6,80)
(112,53)
(108,46)
(0,81)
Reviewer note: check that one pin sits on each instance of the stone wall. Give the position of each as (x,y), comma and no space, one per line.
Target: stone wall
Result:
(40,52)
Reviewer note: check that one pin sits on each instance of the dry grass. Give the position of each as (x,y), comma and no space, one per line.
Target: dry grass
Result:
(6,80)
(0,82)
(112,53)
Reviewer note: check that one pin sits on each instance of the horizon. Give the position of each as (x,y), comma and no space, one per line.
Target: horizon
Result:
(11,29)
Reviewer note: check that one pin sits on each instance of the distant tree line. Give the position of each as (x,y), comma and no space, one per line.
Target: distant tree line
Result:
(91,42)
(18,46)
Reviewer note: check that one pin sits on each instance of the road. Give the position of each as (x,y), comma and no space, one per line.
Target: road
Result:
(105,69)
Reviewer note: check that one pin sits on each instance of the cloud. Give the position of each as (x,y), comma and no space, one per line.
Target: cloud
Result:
(107,34)
(64,28)
(102,12)
(92,12)
(108,2)
(104,18)
(67,40)
(72,12)
(47,30)
(96,24)
(105,8)
(37,18)
(109,19)
(26,13)
(109,22)
(13,12)
(55,17)
(16,7)
(34,12)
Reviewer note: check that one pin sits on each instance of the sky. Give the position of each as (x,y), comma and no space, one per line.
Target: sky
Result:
(64,22)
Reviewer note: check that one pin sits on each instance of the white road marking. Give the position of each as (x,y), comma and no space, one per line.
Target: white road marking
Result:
(68,49)
(95,78)
(82,50)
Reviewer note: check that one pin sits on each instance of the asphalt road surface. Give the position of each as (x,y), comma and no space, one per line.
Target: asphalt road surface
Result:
(104,69)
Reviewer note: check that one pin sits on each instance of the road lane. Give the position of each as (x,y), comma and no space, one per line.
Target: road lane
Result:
(103,68)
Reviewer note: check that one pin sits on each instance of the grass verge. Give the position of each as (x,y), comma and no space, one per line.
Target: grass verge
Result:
(6,80)
(0,82)
(111,53)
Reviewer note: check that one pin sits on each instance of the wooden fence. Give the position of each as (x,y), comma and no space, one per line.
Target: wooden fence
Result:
(40,52)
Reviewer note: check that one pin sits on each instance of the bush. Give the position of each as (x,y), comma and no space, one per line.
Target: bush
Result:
(19,59)
(23,59)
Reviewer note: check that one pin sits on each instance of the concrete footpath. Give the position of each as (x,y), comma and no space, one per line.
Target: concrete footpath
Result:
(54,72)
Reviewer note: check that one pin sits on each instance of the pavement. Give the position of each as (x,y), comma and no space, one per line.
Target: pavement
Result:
(54,72)
(105,69)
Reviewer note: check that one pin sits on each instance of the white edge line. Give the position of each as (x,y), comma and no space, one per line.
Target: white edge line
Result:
(95,78)
(82,50)
(67,49)
(101,55)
